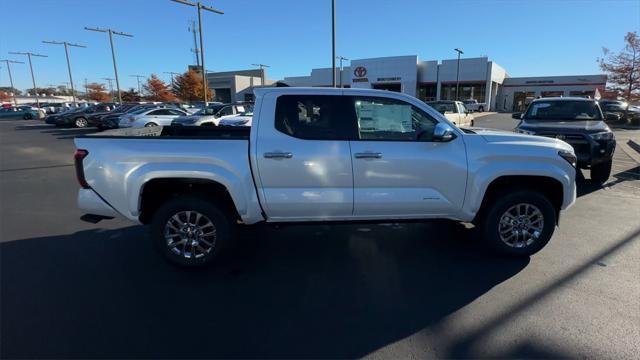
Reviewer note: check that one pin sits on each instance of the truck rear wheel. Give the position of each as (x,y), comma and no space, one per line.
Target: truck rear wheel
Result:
(519,223)
(600,172)
(189,231)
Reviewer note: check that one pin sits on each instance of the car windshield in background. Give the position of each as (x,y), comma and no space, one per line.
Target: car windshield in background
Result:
(209,111)
(563,110)
(442,107)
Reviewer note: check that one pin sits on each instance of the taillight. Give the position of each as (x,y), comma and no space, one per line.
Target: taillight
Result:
(78,157)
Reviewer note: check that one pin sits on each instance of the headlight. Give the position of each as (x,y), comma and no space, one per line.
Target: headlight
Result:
(527,132)
(605,135)
(569,156)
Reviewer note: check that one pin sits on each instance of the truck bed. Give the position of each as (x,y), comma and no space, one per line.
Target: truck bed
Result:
(178,132)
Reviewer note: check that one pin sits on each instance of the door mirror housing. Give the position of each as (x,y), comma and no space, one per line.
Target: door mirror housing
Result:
(516,115)
(443,133)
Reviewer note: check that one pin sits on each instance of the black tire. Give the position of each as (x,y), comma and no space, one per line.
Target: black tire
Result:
(490,229)
(150,124)
(182,255)
(481,109)
(27,116)
(80,122)
(600,172)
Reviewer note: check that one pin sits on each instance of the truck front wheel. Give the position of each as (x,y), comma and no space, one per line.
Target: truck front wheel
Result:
(519,223)
(600,172)
(190,232)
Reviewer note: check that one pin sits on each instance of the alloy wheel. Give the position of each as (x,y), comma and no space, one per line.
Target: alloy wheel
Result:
(521,225)
(190,234)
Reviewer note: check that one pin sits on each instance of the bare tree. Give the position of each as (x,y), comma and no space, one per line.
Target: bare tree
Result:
(623,68)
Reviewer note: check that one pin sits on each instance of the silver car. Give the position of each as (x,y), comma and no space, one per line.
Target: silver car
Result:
(212,114)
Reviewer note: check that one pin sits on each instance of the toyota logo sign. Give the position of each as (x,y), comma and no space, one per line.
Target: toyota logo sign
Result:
(360,71)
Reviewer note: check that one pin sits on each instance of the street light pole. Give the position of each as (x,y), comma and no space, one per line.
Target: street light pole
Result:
(15,101)
(33,77)
(341,58)
(208,8)
(110,86)
(66,51)
(172,74)
(139,88)
(333,43)
(113,53)
(261,66)
(459,51)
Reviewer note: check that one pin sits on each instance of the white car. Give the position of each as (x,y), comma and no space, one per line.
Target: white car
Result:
(150,117)
(324,154)
(243,119)
(455,111)
(474,105)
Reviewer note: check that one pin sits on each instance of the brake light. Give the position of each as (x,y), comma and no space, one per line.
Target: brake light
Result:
(79,155)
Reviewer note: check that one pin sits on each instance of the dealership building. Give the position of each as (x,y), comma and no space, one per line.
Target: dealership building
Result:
(479,78)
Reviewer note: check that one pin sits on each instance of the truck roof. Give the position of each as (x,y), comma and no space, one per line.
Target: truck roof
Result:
(560,98)
(322,91)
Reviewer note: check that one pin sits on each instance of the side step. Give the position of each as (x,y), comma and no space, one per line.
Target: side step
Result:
(94,219)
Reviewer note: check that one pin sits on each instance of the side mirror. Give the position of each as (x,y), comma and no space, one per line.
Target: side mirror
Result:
(516,115)
(611,116)
(443,133)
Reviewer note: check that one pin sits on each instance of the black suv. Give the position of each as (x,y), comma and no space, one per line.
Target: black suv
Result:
(79,119)
(577,121)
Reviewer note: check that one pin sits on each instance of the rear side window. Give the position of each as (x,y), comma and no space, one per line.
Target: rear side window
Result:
(313,117)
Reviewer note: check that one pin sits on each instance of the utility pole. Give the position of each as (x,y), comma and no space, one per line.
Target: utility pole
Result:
(66,51)
(33,78)
(200,7)
(195,49)
(15,102)
(333,43)
(261,66)
(341,58)
(111,32)
(110,86)
(86,89)
(459,51)
(172,74)
(138,77)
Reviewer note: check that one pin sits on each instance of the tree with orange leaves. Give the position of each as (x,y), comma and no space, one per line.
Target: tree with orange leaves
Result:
(157,90)
(188,87)
(623,68)
(97,92)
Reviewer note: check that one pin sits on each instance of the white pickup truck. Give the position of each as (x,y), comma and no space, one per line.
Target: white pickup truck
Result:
(474,105)
(320,155)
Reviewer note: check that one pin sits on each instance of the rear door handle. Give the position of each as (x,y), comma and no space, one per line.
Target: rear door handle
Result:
(278,155)
(368,155)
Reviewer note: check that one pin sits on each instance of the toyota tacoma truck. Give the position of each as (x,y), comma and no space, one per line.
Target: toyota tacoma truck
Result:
(325,155)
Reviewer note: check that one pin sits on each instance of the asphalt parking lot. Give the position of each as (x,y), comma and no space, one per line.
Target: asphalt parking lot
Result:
(73,289)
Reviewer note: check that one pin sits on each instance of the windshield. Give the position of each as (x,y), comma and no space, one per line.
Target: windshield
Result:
(209,111)
(563,110)
(441,107)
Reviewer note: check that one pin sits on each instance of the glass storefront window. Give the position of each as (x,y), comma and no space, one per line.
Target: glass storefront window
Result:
(427,92)
(552,93)
(467,91)
(584,94)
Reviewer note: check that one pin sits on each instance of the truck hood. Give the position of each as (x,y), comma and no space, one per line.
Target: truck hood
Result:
(564,126)
(498,136)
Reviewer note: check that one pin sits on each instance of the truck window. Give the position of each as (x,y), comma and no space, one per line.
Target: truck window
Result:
(312,117)
(390,119)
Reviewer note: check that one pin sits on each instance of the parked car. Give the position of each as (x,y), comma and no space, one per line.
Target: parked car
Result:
(52,119)
(21,112)
(625,112)
(455,111)
(79,119)
(213,114)
(150,117)
(577,121)
(474,105)
(95,119)
(243,119)
(324,154)
(112,121)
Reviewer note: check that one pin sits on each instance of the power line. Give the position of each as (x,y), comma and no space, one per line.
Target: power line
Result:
(66,51)
(111,32)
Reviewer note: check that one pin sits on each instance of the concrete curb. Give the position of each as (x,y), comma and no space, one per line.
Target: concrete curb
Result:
(631,148)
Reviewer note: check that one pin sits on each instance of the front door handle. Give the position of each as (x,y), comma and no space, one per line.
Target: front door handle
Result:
(368,155)
(278,155)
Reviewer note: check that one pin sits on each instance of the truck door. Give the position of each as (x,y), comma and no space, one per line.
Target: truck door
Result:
(303,158)
(399,172)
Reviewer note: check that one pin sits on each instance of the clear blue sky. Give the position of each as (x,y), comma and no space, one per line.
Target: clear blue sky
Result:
(526,37)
